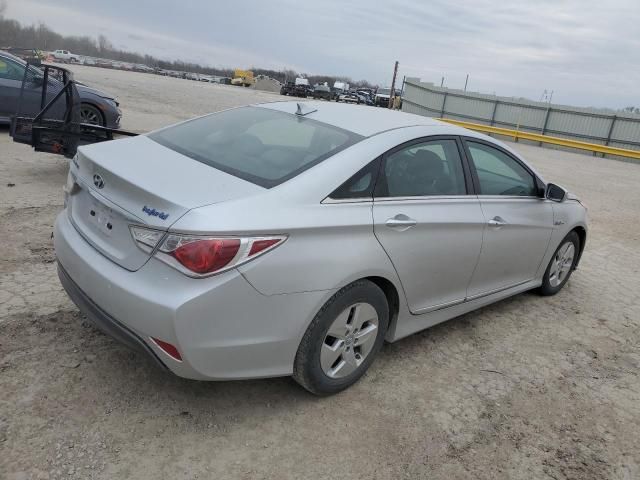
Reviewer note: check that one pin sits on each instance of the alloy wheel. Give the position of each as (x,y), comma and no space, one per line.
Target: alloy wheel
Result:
(90,116)
(349,340)
(561,264)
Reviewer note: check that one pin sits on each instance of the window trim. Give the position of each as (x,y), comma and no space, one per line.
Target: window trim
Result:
(382,195)
(476,180)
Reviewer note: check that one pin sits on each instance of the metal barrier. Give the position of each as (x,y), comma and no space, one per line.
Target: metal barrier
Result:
(536,137)
(620,130)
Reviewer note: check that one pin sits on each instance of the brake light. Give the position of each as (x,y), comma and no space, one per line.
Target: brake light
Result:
(207,256)
(202,256)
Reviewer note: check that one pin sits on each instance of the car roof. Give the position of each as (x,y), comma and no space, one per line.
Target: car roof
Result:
(360,119)
(11,56)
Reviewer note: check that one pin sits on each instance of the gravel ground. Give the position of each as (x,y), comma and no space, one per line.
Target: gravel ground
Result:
(530,387)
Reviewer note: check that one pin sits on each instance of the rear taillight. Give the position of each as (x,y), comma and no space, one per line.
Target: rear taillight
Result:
(207,256)
(201,256)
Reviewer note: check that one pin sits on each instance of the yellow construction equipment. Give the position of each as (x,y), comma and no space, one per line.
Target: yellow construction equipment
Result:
(243,78)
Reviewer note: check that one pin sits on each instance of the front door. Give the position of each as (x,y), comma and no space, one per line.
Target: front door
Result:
(429,226)
(519,222)
(11,74)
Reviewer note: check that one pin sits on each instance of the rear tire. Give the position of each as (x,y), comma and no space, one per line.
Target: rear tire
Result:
(343,339)
(561,265)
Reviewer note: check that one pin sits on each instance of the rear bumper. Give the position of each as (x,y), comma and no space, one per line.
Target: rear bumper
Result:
(103,321)
(222,326)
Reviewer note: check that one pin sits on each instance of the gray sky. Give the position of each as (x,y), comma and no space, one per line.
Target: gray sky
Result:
(587,51)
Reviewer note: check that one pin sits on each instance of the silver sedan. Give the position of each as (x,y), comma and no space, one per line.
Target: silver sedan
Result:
(294,239)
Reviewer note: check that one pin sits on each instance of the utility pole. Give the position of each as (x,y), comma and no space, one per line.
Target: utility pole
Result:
(465,82)
(393,86)
(442,82)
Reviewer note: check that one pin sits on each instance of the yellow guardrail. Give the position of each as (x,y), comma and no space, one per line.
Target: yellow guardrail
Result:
(537,137)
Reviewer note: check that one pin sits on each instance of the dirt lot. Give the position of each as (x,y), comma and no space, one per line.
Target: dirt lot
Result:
(530,387)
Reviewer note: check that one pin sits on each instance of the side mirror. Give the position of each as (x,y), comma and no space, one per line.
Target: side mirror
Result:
(555,193)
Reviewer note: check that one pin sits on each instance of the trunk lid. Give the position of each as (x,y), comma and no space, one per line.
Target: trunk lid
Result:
(137,181)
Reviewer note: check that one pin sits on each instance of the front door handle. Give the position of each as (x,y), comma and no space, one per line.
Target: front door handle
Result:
(497,222)
(400,222)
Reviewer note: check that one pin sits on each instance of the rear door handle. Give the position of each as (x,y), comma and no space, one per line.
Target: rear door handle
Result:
(400,222)
(497,222)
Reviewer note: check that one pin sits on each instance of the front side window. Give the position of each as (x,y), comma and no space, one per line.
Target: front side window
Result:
(424,169)
(260,145)
(499,173)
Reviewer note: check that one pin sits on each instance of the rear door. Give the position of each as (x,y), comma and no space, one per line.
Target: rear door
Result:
(519,222)
(427,222)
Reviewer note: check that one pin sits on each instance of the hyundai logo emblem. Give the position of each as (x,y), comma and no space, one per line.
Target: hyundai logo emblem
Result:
(98,181)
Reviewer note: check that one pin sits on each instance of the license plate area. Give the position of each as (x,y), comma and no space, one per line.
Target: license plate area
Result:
(102,217)
(106,227)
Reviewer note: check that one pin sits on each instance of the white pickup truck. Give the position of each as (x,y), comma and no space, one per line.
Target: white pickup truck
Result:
(65,56)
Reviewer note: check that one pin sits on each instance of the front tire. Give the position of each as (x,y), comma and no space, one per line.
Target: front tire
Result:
(561,265)
(91,115)
(343,339)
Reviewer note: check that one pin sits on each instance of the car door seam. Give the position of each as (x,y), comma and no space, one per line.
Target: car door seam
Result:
(373,230)
(484,229)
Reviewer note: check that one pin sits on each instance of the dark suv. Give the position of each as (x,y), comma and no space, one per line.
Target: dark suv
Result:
(96,107)
(323,92)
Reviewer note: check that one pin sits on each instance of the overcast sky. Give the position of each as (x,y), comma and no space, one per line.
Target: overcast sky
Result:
(586,51)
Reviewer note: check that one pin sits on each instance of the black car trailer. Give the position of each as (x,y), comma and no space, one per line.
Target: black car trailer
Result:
(54,127)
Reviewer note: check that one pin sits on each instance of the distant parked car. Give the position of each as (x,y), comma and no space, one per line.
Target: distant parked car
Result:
(296,90)
(382,97)
(349,97)
(322,92)
(96,107)
(143,68)
(65,56)
(364,98)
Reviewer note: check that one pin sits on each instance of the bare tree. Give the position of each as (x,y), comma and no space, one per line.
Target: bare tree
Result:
(104,44)
(3,7)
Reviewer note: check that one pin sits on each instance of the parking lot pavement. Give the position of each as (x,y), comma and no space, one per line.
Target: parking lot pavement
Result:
(530,387)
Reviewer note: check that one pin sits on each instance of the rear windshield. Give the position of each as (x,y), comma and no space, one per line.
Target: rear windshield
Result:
(260,145)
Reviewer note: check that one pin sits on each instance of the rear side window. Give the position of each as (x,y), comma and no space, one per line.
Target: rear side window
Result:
(360,185)
(260,145)
(430,168)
